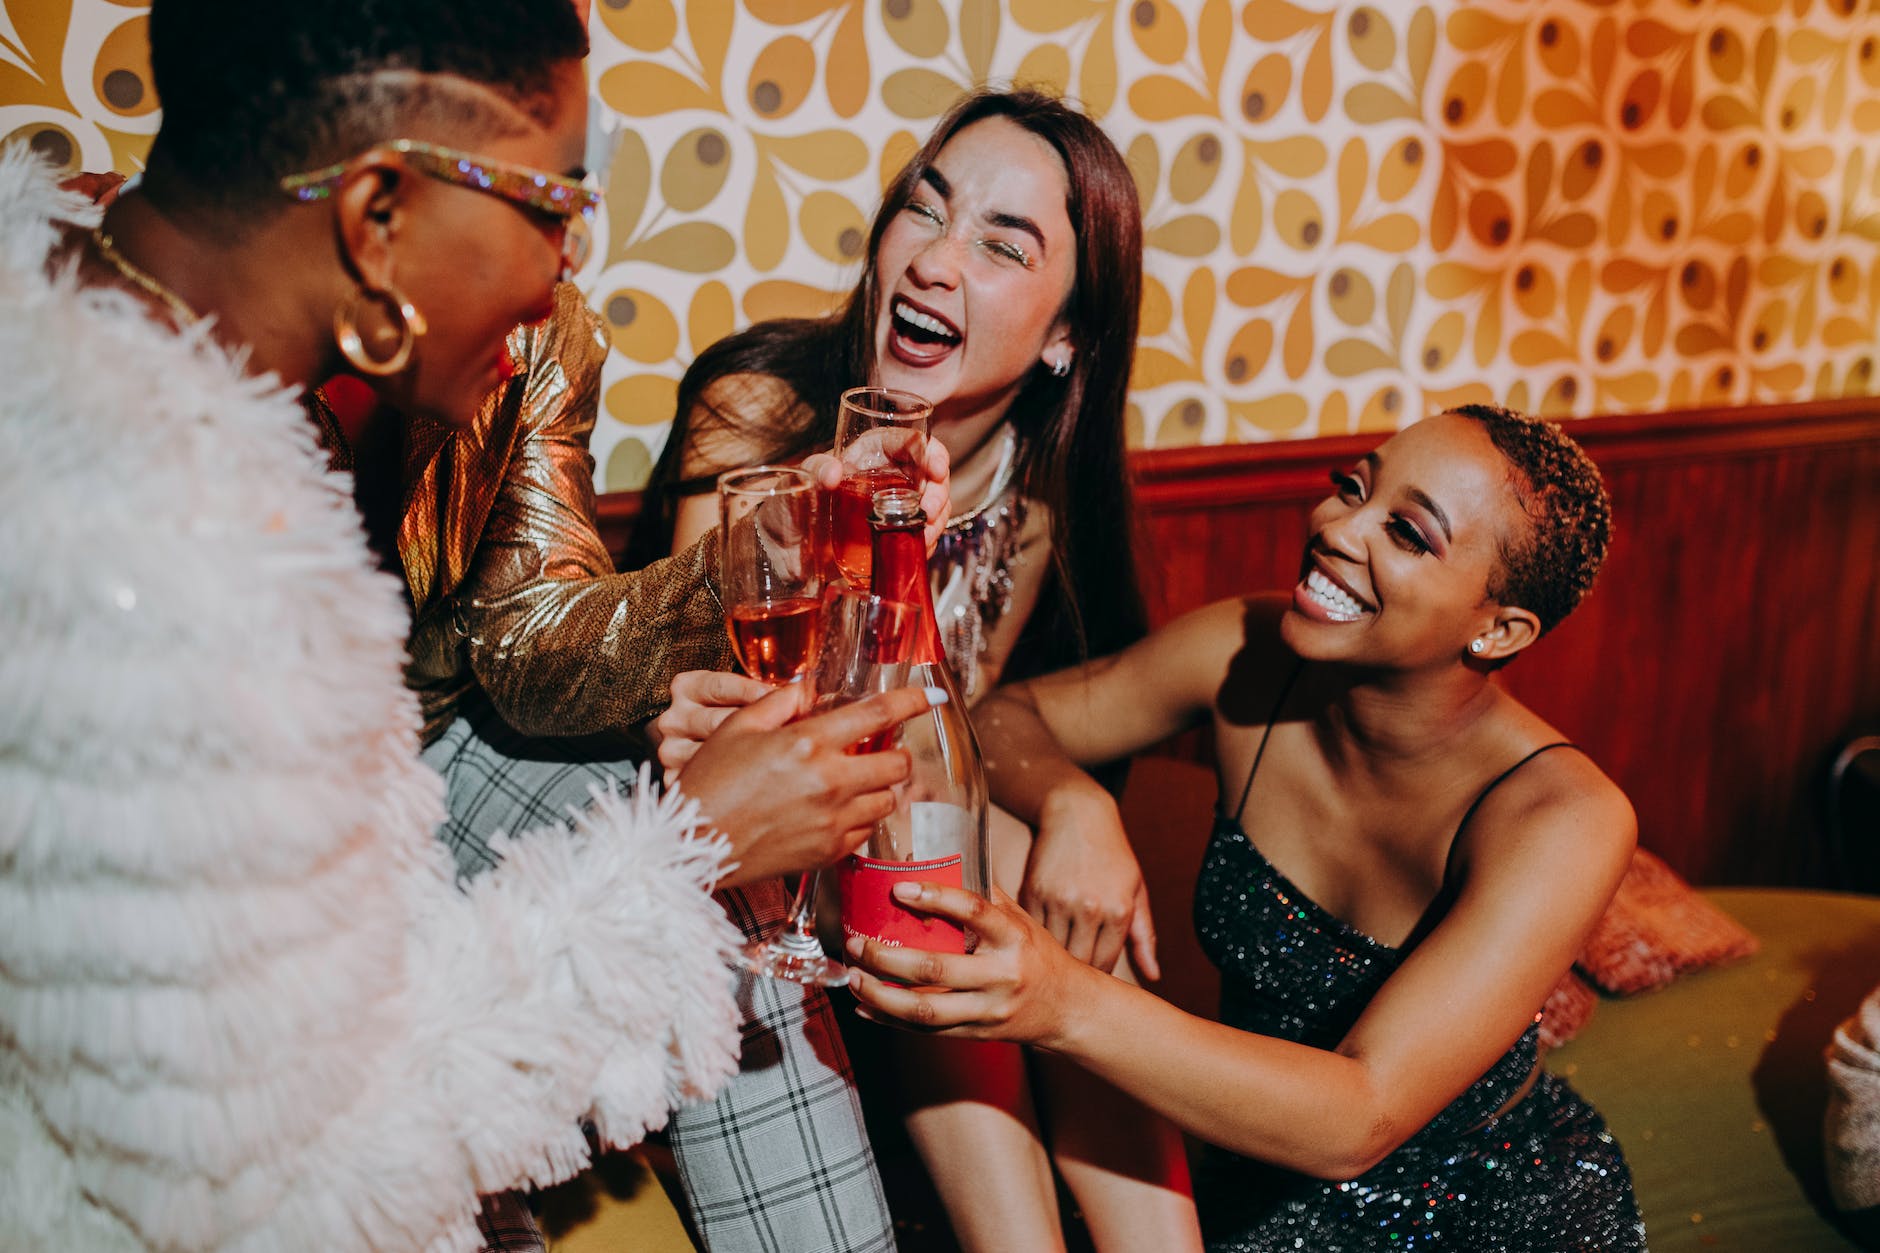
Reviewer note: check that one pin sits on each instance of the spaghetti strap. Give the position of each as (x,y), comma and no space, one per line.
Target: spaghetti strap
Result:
(1439,907)
(1496,782)
(1271,718)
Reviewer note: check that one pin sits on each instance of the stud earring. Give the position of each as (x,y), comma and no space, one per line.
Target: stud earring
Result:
(1061,367)
(1476,646)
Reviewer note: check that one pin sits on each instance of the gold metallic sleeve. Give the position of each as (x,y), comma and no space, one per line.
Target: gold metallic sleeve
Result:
(561,643)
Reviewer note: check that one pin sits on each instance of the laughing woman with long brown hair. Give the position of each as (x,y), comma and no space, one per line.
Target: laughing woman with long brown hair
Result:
(1002,281)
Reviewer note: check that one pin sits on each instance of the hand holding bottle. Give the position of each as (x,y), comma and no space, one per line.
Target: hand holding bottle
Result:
(937,830)
(1018,984)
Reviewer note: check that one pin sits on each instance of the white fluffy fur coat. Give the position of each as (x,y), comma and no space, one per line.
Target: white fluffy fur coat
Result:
(243,1004)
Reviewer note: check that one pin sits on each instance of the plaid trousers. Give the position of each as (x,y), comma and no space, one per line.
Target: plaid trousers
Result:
(507,1226)
(779,1162)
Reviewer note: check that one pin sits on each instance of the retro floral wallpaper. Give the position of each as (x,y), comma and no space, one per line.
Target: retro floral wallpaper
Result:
(1355,212)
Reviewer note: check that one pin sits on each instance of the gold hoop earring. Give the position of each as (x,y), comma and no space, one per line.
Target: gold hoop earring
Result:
(352,345)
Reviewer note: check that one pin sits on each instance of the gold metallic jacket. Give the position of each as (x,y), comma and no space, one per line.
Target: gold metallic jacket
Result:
(511,587)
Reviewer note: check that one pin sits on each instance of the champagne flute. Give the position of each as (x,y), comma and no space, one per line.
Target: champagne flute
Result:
(881,441)
(864,650)
(769,569)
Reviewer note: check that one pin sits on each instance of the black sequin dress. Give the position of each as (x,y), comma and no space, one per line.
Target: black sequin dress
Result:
(1544,1176)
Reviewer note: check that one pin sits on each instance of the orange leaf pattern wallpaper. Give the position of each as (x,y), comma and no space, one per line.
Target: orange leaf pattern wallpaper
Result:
(1355,213)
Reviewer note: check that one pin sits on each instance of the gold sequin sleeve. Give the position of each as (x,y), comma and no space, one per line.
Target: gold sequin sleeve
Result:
(561,643)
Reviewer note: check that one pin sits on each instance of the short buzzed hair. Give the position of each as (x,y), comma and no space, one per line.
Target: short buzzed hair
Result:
(1548,570)
(253,91)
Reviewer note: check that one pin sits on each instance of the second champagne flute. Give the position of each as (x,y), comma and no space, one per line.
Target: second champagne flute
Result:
(769,569)
(881,441)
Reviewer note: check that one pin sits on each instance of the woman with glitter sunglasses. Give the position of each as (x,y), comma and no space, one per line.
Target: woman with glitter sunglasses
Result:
(245,1001)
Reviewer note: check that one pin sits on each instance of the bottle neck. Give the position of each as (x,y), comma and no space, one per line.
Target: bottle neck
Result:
(900,574)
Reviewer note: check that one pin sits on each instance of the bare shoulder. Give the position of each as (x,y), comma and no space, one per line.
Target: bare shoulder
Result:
(1228,653)
(1566,780)
(726,426)
(1260,664)
(1158,684)
(1558,808)
(1211,635)
(751,397)
(1260,615)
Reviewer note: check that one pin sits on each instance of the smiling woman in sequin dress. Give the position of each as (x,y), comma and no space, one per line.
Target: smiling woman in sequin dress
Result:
(1404,861)
(1002,284)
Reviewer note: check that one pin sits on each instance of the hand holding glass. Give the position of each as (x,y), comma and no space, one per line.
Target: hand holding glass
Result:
(865,642)
(881,441)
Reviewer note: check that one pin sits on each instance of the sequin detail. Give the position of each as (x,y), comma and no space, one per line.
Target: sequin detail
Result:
(1545,1176)
(971,574)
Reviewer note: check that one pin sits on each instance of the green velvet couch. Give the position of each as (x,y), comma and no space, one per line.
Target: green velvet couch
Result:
(1715,1085)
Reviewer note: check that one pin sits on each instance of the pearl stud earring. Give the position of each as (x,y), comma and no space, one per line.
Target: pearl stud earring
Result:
(1476,646)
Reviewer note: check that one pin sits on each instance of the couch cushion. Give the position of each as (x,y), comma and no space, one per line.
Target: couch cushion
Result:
(1657,928)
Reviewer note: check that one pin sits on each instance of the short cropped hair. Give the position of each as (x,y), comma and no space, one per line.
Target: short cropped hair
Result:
(1549,569)
(253,91)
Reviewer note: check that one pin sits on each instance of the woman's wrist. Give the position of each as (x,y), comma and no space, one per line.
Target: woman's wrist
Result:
(1078,804)
(1083,998)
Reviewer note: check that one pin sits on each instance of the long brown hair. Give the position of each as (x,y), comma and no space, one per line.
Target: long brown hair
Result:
(1074,462)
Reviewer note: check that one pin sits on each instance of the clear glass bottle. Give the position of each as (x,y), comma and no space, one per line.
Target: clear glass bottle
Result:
(937,832)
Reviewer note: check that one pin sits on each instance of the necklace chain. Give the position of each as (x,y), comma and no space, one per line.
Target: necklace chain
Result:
(1001,478)
(107,249)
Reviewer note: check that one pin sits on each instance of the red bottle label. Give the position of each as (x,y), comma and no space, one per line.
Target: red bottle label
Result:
(868,909)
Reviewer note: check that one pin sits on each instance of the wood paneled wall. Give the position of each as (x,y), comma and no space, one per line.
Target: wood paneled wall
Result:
(1732,641)
(1731,644)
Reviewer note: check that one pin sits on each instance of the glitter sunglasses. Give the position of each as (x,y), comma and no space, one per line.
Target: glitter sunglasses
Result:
(571,202)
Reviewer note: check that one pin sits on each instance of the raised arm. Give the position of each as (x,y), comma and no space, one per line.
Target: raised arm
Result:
(1082,880)
(1038,735)
(1543,857)
(562,643)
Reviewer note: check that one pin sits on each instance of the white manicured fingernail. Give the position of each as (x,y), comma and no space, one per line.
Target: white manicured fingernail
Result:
(936,696)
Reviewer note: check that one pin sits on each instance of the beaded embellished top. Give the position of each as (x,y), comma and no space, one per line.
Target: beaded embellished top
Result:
(971,570)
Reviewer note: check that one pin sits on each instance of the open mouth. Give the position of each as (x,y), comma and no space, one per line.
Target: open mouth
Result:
(920,336)
(1336,601)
